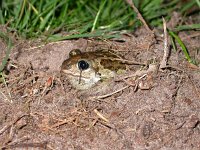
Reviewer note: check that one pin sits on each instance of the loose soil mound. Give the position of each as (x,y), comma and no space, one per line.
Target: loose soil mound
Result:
(160,110)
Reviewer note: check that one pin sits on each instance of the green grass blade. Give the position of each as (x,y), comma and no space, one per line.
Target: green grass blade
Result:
(35,11)
(46,19)
(25,19)
(187,6)
(22,7)
(182,45)
(97,16)
(2,20)
(173,43)
(187,27)
(86,35)
(9,45)
(198,3)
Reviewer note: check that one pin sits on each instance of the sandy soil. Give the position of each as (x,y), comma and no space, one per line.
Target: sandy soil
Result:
(159,110)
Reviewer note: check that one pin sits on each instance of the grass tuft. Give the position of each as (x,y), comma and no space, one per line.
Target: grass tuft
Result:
(33,18)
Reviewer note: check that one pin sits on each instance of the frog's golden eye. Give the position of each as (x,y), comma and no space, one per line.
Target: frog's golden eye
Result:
(83,65)
(74,52)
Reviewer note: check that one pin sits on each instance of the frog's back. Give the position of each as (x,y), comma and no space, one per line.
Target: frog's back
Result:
(106,59)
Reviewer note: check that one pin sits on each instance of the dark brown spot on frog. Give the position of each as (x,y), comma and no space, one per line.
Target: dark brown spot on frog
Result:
(113,65)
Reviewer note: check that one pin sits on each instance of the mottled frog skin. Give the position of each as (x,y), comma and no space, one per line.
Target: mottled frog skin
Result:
(88,69)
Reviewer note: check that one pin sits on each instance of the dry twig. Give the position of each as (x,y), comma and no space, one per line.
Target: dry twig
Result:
(100,115)
(130,2)
(109,94)
(42,145)
(163,63)
(12,123)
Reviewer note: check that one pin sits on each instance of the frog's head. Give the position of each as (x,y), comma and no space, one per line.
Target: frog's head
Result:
(80,70)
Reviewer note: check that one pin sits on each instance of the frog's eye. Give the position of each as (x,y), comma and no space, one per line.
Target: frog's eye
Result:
(83,65)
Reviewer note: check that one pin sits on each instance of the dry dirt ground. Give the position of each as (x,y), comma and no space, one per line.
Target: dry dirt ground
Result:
(157,110)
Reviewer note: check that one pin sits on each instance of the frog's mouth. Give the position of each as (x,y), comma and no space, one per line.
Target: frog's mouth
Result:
(82,81)
(76,75)
(82,75)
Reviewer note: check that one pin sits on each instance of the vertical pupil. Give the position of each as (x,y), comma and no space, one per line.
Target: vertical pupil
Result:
(83,65)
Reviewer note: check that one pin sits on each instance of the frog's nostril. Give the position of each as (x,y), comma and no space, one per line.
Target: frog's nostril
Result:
(83,65)
(99,74)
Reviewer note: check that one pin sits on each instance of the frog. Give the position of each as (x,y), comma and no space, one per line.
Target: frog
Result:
(85,70)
